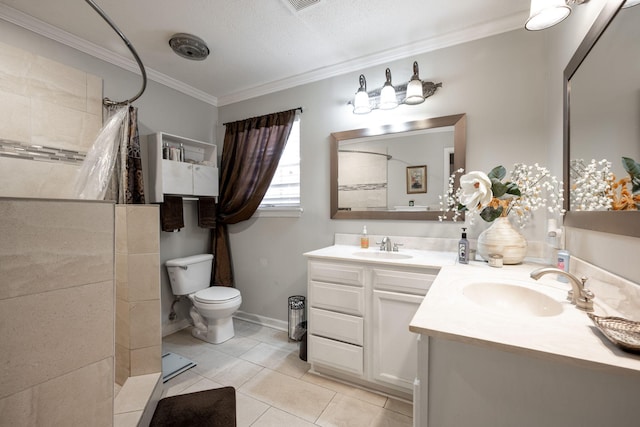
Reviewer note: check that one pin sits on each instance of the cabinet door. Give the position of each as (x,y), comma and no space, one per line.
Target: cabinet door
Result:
(177,177)
(205,180)
(394,354)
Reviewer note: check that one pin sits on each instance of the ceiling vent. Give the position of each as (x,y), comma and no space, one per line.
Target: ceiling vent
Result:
(298,5)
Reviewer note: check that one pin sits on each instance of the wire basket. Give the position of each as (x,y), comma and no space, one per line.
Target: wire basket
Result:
(622,332)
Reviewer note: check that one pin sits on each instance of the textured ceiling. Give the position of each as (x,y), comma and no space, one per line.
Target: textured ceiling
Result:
(258,46)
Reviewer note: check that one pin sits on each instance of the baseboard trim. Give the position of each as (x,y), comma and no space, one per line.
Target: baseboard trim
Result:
(173,327)
(262,320)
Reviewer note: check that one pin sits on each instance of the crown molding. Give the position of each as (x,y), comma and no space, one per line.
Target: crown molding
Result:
(49,31)
(508,23)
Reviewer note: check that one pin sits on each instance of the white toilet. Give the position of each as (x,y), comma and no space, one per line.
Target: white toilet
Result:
(213,306)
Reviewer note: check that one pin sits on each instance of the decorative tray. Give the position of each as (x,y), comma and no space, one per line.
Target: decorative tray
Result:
(622,332)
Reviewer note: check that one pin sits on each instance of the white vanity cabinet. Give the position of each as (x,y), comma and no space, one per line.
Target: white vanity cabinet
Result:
(186,178)
(396,296)
(359,315)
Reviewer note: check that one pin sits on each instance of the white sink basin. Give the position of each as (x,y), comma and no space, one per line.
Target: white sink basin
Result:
(512,299)
(382,255)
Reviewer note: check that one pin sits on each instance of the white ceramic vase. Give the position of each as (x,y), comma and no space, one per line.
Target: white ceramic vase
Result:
(502,239)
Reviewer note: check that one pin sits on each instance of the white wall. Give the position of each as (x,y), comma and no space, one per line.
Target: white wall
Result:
(498,81)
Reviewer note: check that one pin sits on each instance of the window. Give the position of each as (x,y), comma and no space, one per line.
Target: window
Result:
(284,190)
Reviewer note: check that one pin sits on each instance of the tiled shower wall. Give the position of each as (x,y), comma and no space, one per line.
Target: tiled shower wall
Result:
(138,330)
(50,116)
(56,312)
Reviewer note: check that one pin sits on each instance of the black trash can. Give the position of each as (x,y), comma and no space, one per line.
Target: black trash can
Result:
(301,335)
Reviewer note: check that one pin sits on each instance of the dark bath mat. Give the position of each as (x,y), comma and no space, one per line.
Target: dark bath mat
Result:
(210,408)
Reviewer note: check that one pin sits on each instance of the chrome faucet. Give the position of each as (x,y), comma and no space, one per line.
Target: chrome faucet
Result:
(385,245)
(578,295)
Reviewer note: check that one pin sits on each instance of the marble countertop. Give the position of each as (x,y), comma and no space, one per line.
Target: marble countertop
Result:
(416,257)
(569,336)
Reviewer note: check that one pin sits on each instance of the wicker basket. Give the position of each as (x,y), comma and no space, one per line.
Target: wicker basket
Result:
(622,332)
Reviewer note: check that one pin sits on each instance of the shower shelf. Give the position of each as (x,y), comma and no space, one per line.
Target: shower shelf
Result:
(197,175)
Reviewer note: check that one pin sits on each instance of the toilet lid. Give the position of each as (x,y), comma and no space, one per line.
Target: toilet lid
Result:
(215,294)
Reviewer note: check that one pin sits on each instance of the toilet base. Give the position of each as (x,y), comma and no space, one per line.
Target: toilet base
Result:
(217,331)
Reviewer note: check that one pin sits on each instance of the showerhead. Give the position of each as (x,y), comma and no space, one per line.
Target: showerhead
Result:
(189,46)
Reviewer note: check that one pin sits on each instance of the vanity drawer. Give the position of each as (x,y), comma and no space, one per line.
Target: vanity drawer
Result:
(341,327)
(336,354)
(403,281)
(344,299)
(336,273)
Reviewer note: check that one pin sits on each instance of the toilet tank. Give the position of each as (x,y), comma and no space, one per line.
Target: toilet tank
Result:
(189,274)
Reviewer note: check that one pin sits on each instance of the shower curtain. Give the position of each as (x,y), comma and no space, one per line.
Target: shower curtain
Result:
(127,184)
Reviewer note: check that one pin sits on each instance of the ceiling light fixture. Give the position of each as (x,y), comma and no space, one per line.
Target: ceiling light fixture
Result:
(189,46)
(389,96)
(547,13)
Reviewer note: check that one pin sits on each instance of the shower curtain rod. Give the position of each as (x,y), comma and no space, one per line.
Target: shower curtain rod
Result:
(388,156)
(107,101)
(297,108)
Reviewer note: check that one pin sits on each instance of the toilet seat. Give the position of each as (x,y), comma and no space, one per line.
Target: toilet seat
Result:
(216,295)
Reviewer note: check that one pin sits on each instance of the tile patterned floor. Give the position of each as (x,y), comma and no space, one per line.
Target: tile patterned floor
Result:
(273,386)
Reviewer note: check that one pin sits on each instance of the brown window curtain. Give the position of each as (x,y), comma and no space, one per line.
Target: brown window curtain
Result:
(250,155)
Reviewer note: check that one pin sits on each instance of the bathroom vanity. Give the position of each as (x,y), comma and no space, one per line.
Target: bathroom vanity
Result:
(528,358)
(360,303)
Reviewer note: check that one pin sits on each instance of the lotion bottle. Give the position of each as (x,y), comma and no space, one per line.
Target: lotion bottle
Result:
(364,238)
(463,248)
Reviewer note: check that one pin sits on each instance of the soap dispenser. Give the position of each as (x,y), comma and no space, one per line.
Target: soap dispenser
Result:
(364,238)
(463,248)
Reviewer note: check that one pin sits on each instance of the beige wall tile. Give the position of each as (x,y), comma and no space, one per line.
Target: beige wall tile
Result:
(121,229)
(94,95)
(60,245)
(144,277)
(34,179)
(91,127)
(18,409)
(146,360)
(14,110)
(49,334)
(83,397)
(14,68)
(57,83)
(122,277)
(123,364)
(123,323)
(143,229)
(57,126)
(145,324)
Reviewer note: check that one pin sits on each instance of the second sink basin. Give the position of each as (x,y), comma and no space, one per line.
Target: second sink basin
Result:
(382,255)
(513,299)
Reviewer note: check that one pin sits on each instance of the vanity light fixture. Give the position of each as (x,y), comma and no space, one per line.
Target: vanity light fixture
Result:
(389,96)
(361,103)
(547,13)
(415,93)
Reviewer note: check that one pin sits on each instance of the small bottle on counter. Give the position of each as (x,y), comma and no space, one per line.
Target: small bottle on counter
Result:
(364,238)
(182,152)
(165,150)
(563,264)
(463,248)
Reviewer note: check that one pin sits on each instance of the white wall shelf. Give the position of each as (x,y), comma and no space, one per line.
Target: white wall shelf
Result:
(196,176)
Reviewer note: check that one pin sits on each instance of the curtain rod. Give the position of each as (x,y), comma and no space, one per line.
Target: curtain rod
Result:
(297,108)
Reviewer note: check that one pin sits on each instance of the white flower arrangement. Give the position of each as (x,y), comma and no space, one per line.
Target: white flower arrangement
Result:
(529,189)
(591,185)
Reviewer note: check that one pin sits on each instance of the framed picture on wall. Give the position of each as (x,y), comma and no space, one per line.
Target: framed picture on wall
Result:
(416,179)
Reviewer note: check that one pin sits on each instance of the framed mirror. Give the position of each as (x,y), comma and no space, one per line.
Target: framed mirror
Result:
(602,114)
(395,171)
